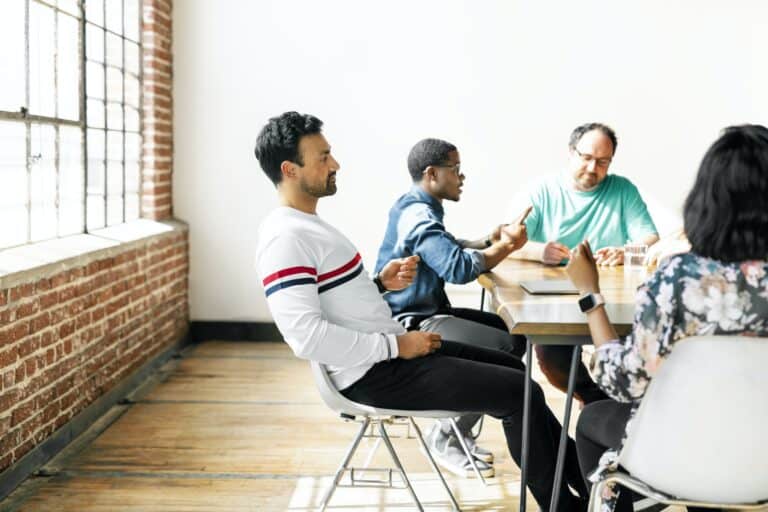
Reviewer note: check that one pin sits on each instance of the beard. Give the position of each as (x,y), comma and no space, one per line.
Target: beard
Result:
(325,189)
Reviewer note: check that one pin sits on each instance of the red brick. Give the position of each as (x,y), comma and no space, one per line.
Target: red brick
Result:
(67,293)
(3,297)
(49,299)
(60,279)
(21,291)
(66,329)
(40,322)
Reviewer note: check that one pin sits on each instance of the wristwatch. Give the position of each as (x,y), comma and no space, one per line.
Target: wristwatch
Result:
(590,301)
(379,284)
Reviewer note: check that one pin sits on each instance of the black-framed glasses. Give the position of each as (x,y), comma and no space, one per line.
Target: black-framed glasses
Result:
(456,168)
(586,158)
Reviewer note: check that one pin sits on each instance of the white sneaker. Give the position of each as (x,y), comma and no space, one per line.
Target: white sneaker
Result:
(447,452)
(478,452)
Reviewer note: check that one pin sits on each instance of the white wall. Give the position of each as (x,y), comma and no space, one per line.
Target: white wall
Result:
(506,81)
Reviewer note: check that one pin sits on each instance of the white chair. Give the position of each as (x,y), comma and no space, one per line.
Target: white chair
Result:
(375,416)
(699,436)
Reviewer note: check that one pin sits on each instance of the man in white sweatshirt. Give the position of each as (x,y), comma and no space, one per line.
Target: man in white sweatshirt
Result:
(329,310)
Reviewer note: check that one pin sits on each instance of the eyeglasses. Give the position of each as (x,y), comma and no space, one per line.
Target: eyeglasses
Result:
(586,158)
(455,168)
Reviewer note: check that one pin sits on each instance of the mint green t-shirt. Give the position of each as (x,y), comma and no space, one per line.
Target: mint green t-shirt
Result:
(608,216)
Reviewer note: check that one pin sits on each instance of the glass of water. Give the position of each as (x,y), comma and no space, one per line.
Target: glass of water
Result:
(634,256)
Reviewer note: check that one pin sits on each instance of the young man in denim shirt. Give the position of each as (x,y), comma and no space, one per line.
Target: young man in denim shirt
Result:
(416,227)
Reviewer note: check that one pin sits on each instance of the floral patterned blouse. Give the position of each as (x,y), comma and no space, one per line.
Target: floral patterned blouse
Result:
(689,295)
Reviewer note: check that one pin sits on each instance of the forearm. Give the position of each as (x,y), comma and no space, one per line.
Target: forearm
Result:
(496,253)
(479,244)
(651,239)
(600,326)
(532,251)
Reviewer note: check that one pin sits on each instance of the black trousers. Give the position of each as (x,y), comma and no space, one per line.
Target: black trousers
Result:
(554,360)
(601,427)
(470,379)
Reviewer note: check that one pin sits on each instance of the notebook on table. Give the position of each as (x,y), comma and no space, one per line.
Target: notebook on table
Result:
(549,287)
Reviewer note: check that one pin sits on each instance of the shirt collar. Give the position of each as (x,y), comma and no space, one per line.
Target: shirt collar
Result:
(420,194)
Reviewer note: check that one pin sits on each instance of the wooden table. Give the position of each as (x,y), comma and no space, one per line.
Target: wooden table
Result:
(554,320)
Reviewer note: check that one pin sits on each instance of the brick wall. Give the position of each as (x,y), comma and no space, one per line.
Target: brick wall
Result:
(68,338)
(157,108)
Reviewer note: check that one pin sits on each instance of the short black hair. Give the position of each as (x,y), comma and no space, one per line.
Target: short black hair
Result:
(725,213)
(579,132)
(427,152)
(279,140)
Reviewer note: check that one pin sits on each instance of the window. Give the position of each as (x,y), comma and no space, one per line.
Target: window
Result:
(70,139)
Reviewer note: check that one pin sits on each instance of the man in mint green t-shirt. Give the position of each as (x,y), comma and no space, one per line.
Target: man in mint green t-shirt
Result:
(585,203)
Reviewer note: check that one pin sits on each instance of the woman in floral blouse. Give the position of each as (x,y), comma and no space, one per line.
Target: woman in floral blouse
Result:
(720,287)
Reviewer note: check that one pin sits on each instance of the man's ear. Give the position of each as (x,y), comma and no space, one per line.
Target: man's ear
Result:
(430,173)
(288,169)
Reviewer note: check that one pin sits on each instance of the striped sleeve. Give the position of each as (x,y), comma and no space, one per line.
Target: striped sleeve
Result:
(293,287)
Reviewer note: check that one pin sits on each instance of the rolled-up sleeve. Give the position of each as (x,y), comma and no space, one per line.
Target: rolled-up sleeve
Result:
(439,249)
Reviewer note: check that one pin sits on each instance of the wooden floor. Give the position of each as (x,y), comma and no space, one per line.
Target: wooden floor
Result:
(240,427)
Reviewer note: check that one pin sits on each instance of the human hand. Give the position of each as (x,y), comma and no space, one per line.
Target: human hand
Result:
(582,270)
(516,234)
(664,249)
(415,344)
(609,256)
(399,273)
(554,253)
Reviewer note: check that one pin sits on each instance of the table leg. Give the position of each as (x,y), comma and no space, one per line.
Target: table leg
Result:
(561,448)
(526,423)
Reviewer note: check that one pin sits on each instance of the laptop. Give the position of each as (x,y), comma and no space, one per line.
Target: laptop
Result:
(549,287)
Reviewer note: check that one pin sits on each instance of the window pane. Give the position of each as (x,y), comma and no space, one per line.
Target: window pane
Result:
(114,85)
(132,91)
(114,146)
(114,209)
(132,147)
(132,57)
(115,16)
(132,178)
(95,177)
(41,53)
(13,176)
(69,6)
(114,50)
(131,206)
(12,56)
(95,113)
(43,182)
(94,205)
(68,68)
(94,80)
(70,181)
(96,157)
(131,20)
(114,116)
(94,11)
(131,119)
(94,43)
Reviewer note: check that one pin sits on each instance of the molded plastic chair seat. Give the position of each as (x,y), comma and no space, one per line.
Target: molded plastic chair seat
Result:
(699,437)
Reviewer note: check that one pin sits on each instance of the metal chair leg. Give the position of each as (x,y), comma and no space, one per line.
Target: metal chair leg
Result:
(434,465)
(344,463)
(464,447)
(400,468)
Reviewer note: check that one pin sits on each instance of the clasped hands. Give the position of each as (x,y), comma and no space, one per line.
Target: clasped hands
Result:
(555,252)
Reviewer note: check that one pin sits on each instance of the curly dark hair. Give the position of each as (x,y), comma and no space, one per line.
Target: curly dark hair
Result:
(726,211)
(279,140)
(427,152)
(579,132)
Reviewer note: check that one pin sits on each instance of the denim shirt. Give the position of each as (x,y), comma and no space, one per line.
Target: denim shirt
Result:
(415,226)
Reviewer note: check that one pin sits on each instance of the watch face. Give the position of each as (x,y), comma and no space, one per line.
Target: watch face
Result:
(586,303)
